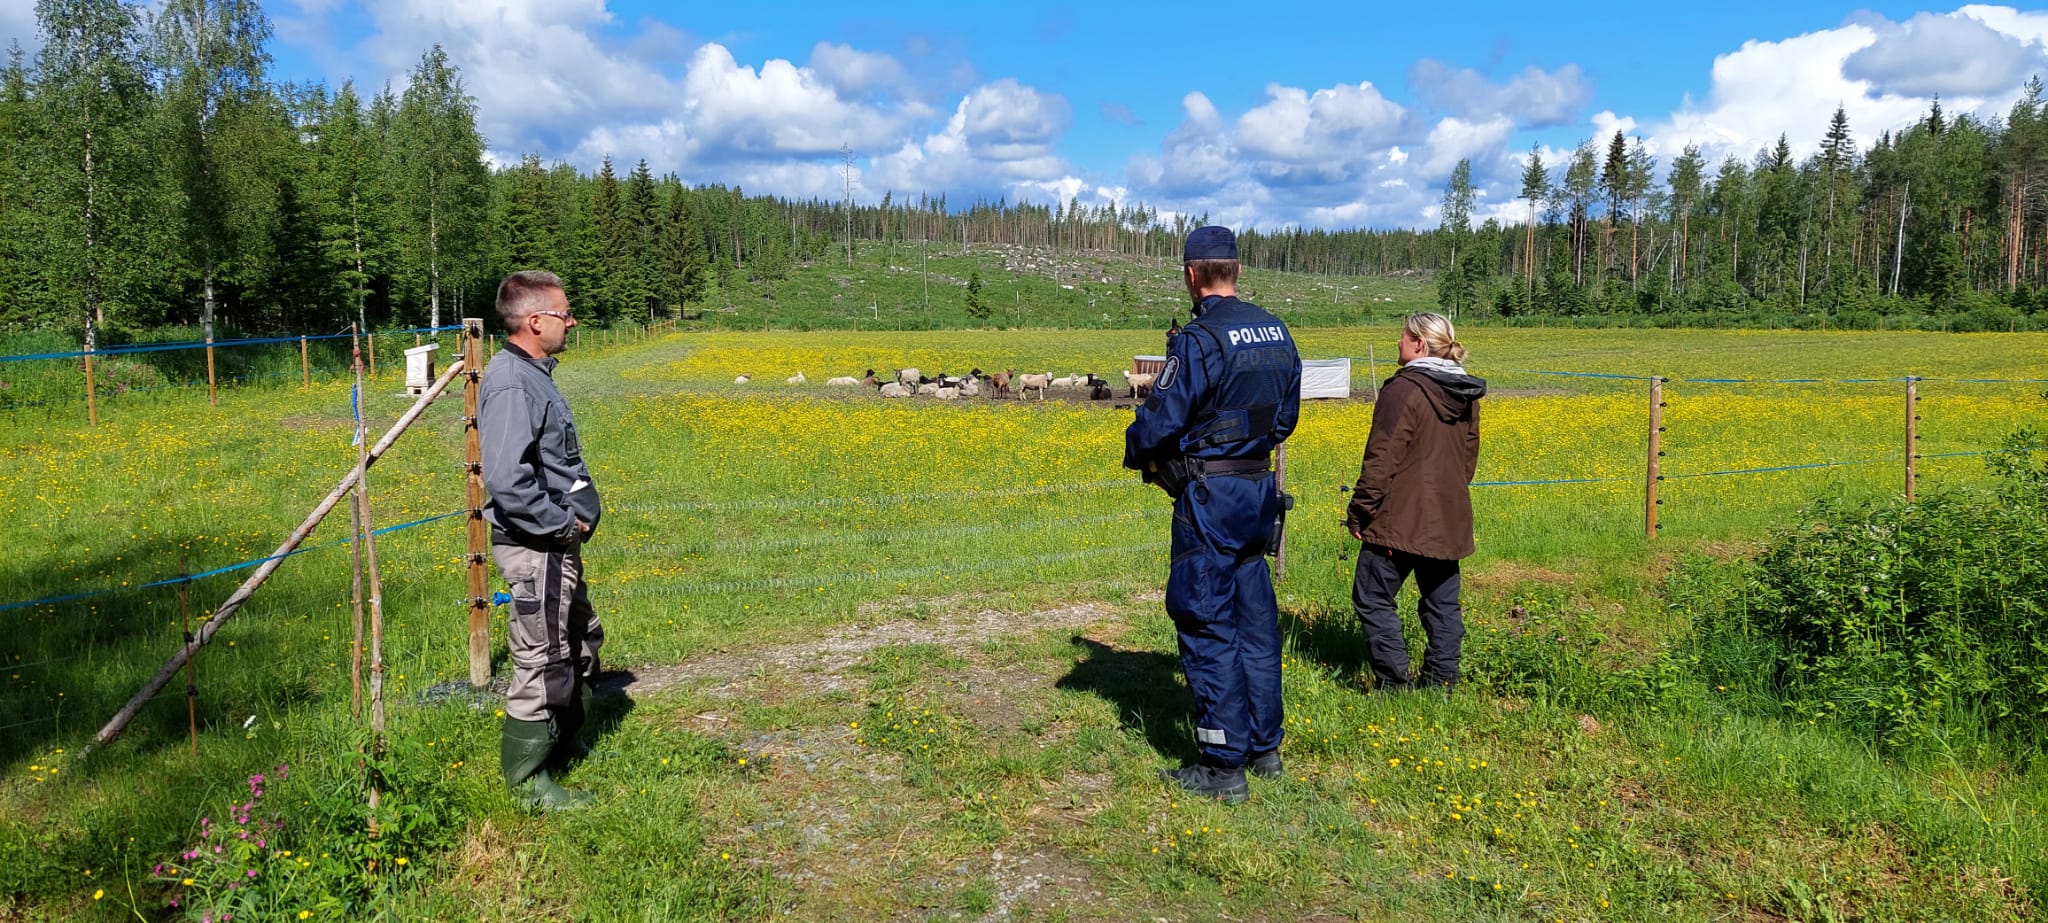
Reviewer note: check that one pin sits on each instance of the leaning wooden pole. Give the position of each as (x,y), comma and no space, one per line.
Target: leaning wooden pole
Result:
(1912,437)
(212,391)
(479,530)
(305,364)
(241,595)
(1655,473)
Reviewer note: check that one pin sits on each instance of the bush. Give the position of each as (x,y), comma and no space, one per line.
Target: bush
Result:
(1909,623)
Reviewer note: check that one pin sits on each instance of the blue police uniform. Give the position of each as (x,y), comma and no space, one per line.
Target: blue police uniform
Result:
(1230,394)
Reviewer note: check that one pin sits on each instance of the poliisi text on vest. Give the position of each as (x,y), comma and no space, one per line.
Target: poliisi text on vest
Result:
(1271,333)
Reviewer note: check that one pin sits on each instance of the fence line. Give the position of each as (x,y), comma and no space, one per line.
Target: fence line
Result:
(240,565)
(877,576)
(868,536)
(132,348)
(781,503)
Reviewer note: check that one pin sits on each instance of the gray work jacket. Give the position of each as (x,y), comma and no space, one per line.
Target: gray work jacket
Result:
(534,475)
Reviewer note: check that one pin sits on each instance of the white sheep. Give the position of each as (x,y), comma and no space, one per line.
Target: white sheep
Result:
(908,376)
(970,388)
(1141,383)
(1066,382)
(895,389)
(743,379)
(928,388)
(947,394)
(797,379)
(1037,382)
(843,381)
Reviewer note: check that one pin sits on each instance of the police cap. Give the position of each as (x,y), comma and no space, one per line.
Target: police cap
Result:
(1210,243)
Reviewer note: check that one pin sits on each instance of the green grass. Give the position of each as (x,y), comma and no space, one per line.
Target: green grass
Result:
(827,568)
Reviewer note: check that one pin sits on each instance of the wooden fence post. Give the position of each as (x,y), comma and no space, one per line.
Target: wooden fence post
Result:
(1912,436)
(479,530)
(1654,475)
(355,549)
(370,340)
(92,403)
(305,364)
(191,669)
(212,394)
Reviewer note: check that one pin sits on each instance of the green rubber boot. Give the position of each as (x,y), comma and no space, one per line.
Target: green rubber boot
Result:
(523,755)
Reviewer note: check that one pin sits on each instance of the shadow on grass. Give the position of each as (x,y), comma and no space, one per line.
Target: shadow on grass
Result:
(606,703)
(1146,688)
(1328,637)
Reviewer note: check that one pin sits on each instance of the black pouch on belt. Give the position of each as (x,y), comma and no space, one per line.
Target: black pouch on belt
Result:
(1279,524)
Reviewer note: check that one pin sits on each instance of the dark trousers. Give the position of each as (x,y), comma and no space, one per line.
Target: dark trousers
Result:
(1220,595)
(1374,584)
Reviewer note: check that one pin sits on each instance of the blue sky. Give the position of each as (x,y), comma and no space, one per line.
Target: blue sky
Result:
(1336,115)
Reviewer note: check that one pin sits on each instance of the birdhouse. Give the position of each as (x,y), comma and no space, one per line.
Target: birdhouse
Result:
(419,368)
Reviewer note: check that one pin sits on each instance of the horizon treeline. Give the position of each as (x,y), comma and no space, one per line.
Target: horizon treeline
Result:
(152,175)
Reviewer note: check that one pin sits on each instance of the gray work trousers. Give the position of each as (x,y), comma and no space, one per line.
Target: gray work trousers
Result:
(554,633)
(1374,585)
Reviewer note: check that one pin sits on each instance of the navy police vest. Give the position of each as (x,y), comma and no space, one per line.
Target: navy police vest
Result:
(1259,360)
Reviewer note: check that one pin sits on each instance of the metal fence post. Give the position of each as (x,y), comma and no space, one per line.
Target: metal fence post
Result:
(1654,474)
(1912,436)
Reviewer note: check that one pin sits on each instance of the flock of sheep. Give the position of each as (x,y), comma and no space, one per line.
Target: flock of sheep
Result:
(914,383)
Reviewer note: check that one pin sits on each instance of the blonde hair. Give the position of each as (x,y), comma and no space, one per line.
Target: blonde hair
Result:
(1438,337)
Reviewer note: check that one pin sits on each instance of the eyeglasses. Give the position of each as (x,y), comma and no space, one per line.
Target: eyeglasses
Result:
(564,315)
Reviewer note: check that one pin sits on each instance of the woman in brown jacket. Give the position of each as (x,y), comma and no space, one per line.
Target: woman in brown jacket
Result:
(1412,506)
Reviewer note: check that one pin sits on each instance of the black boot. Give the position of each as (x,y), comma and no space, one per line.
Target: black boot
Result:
(523,756)
(1267,765)
(1225,785)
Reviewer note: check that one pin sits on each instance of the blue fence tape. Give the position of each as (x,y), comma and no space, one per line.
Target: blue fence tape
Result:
(231,568)
(133,348)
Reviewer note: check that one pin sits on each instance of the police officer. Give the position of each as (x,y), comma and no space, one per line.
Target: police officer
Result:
(1230,394)
(542,508)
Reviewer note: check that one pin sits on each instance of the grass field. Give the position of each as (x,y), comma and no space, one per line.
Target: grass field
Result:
(905,660)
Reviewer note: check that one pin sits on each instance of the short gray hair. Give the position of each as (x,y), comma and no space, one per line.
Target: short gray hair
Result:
(521,294)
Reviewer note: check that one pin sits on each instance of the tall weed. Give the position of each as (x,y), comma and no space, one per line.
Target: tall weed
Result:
(1914,624)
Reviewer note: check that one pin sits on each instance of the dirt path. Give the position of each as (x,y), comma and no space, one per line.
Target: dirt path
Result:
(819,666)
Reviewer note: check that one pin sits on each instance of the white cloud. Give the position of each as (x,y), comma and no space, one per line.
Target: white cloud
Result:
(1296,127)
(1791,87)
(1000,140)
(1454,139)
(1535,97)
(856,72)
(1952,55)
(780,109)
(535,67)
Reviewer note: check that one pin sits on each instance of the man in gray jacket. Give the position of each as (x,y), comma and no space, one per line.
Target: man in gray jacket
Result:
(542,507)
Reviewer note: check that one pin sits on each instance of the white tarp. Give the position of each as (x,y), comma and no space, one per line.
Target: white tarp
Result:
(1325,378)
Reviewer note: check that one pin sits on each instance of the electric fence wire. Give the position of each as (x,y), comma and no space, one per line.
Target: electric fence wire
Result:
(240,565)
(817,581)
(133,348)
(857,537)
(789,503)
